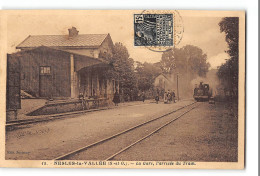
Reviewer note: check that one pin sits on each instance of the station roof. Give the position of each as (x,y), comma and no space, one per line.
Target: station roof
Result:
(79,41)
(84,60)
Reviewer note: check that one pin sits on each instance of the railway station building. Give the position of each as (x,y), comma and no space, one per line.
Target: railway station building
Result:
(165,82)
(65,65)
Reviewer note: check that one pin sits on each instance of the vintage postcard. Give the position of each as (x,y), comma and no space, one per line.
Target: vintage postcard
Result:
(122,89)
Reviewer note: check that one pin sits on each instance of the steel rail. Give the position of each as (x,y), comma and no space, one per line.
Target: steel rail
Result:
(129,146)
(62,157)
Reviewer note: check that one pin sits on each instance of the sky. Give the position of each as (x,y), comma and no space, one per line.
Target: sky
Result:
(200,29)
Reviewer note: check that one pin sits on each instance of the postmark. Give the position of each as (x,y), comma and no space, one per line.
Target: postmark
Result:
(158,30)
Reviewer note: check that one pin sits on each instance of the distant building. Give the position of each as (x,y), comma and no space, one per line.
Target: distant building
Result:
(164,82)
(65,65)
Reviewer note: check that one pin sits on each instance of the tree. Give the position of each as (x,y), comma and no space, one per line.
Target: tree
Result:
(188,60)
(123,68)
(228,72)
(168,62)
(192,61)
(145,74)
(229,25)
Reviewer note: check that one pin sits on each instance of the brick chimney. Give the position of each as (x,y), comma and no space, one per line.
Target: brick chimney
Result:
(73,32)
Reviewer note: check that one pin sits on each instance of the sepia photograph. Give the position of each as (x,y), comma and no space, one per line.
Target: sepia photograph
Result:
(123,88)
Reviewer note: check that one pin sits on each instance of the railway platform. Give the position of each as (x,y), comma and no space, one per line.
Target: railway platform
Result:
(30,105)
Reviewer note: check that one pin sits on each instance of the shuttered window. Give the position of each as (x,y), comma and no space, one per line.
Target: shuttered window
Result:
(45,70)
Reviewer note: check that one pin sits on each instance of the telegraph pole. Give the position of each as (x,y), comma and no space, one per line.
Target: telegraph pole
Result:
(178,86)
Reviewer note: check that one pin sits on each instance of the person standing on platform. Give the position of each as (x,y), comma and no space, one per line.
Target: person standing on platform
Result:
(165,98)
(143,96)
(169,95)
(116,98)
(173,96)
(157,98)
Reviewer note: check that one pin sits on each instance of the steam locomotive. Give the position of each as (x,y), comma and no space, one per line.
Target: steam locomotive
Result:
(202,92)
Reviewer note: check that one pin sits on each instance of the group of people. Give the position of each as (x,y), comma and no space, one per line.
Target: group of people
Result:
(116,98)
(168,97)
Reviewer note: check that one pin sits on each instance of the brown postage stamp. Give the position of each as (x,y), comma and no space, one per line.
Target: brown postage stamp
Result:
(122,89)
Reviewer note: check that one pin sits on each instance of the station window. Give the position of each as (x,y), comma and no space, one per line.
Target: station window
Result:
(45,70)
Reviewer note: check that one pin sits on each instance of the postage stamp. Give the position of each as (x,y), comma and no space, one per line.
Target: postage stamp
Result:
(153,30)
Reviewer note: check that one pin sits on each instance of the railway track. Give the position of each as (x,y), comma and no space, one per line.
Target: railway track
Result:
(122,141)
(16,123)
